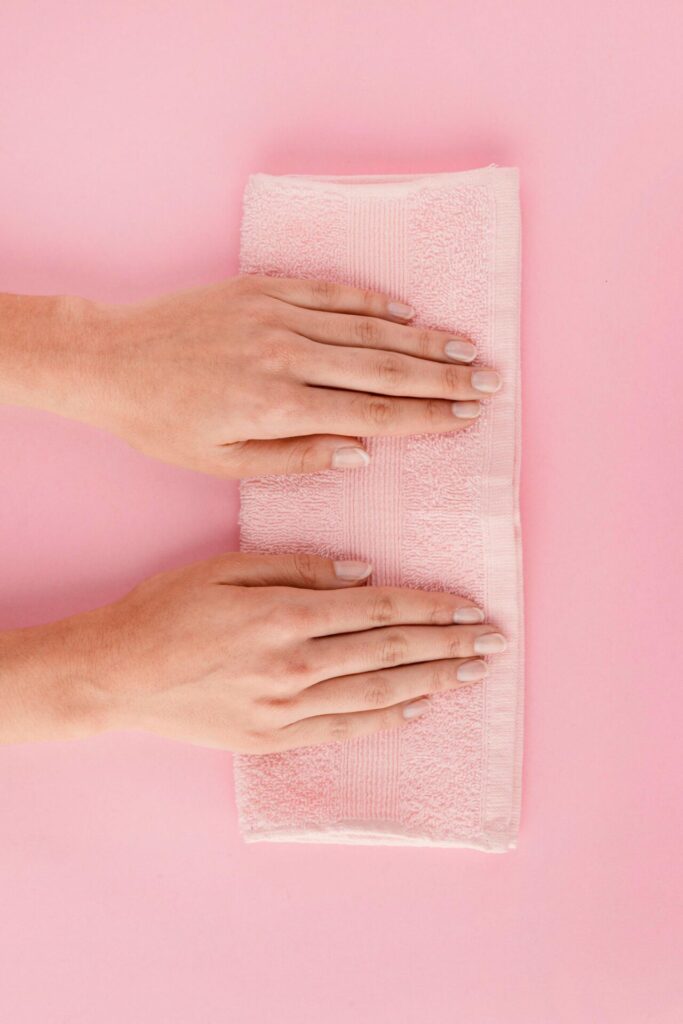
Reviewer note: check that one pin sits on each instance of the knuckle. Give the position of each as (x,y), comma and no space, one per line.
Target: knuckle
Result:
(298,619)
(274,710)
(263,310)
(298,669)
(279,681)
(277,618)
(388,718)
(339,727)
(377,692)
(324,291)
(451,378)
(383,611)
(393,649)
(440,616)
(302,458)
(369,298)
(286,620)
(439,679)
(390,371)
(366,331)
(307,566)
(379,411)
(456,645)
(434,411)
(424,342)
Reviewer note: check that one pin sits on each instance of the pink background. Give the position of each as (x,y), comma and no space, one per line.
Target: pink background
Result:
(127,130)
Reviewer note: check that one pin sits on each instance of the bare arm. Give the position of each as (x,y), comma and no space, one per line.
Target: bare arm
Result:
(46,356)
(253,375)
(250,653)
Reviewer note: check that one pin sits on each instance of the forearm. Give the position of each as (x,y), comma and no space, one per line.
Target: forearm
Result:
(48,353)
(45,689)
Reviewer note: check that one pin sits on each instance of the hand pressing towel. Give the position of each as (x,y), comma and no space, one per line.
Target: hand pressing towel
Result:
(431,511)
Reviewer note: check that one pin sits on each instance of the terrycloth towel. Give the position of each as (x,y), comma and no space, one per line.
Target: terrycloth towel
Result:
(431,511)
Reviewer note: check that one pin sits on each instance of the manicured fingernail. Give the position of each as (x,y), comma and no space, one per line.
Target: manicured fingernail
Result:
(416,709)
(466,410)
(471,671)
(487,381)
(490,643)
(401,309)
(348,458)
(465,615)
(352,570)
(461,351)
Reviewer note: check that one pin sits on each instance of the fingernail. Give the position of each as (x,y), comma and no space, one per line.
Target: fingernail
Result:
(465,615)
(401,309)
(352,570)
(462,351)
(486,380)
(466,410)
(490,643)
(471,671)
(416,709)
(348,458)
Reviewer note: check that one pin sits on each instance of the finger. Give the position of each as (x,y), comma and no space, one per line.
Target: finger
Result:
(374,333)
(398,645)
(391,373)
(308,454)
(336,297)
(368,415)
(296,569)
(364,691)
(338,728)
(371,607)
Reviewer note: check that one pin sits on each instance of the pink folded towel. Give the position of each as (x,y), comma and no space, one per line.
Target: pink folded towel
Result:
(437,511)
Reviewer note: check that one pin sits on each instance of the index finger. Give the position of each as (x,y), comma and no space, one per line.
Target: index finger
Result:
(348,611)
(333,296)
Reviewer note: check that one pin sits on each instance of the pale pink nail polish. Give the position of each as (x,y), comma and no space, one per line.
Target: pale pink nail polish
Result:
(460,351)
(472,671)
(490,643)
(401,309)
(486,381)
(416,709)
(349,458)
(466,410)
(468,615)
(352,570)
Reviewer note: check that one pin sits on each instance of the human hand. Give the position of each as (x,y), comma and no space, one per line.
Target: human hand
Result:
(250,653)
(271,375)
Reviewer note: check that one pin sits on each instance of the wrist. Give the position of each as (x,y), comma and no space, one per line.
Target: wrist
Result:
(51,353)
(47,689)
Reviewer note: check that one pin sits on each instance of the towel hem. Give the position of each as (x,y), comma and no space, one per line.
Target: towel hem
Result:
(503,732)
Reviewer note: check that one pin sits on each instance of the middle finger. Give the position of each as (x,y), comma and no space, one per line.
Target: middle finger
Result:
(385,647)
(391,373)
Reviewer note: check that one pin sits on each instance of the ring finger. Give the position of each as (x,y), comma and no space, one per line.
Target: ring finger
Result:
(392,373)
(364,691)
(387,647)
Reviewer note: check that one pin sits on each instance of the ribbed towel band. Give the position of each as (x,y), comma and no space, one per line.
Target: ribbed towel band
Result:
(434,511)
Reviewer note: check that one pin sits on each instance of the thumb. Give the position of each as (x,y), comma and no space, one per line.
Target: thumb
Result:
(295,569)
(285,456)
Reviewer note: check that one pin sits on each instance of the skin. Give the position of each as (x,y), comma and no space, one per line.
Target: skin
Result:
(250,653)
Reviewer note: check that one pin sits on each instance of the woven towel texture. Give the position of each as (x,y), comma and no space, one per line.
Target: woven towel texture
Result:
(434,511)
